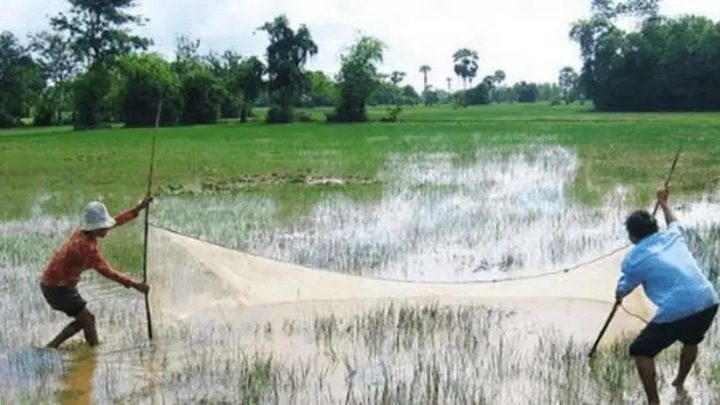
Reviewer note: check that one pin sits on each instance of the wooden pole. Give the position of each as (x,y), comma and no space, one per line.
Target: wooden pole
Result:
(148,317)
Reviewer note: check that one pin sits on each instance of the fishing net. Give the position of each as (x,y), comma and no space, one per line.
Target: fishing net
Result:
(199,277)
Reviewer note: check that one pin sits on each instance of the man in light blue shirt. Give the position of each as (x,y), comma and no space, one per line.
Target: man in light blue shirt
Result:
(687,302)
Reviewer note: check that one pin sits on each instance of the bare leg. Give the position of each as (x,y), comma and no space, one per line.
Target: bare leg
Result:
(87,321)
(646,370)
(69,331)
(687,359)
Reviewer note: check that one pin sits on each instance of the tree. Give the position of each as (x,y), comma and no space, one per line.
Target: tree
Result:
(90,97)
(425,69)
(610,9)
(568,81)
(144,81)
(248,79)
(395,78)
(431,96)
(201,96)
(409,95)
(526,92)
(385,94)
(668,64)
(324,90)
(20,79)
(548,92)
(287,54)
(55,55)
(99,33)
(187,50)
(466,65)
(59,64)
(224,68)
(504,94)
(499,77)
(477,95)
(358,79)
(204,90)
(449,83)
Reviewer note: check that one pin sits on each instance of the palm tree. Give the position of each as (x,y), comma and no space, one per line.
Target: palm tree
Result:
(396,77)
(449,82)
(425,69)
(499,77)
(466,65)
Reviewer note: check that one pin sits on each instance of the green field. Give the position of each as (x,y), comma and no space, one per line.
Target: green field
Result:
(71,167)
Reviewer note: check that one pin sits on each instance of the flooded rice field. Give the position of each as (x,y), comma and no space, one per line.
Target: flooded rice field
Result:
(497,215)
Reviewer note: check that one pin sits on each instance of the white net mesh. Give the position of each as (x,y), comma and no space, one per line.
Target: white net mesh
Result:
(197,277)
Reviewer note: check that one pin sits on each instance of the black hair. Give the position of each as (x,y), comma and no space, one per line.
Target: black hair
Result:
(640,224)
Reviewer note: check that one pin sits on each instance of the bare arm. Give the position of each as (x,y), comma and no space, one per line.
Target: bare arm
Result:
(98,262)
(132,213)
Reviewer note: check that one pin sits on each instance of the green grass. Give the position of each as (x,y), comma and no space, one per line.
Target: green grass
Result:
(72,167)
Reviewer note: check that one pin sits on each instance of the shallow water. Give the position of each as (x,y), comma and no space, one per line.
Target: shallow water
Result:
(498,214)
(431,224)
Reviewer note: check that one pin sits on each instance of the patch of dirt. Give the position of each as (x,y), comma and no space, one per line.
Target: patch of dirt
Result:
(249,180)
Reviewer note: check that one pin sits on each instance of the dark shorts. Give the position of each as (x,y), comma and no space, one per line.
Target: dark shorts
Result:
(64,299)
(658,336)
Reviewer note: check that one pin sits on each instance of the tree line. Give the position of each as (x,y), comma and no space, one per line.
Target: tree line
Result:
(90,69)
(667,64)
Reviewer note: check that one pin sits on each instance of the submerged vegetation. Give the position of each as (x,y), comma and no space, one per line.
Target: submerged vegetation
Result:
(211,349)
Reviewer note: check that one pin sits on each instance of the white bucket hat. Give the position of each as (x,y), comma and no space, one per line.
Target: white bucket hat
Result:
(96,217)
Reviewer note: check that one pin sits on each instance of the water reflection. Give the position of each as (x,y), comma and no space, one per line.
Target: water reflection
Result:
(217,354)
(77,382)
(503,212)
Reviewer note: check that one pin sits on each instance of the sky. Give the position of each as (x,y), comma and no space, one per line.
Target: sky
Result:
(528,39)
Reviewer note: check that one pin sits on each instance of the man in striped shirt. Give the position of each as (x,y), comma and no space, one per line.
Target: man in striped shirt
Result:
(79,253)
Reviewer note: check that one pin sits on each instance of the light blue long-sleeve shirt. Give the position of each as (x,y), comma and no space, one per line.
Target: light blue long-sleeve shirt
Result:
(664,266)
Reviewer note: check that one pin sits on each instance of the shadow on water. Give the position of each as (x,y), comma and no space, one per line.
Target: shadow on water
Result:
(77,381)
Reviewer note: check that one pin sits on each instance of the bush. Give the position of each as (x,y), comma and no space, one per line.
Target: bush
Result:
(477,95)
(279,115)
(303,116)
(348,110)
(392,114)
